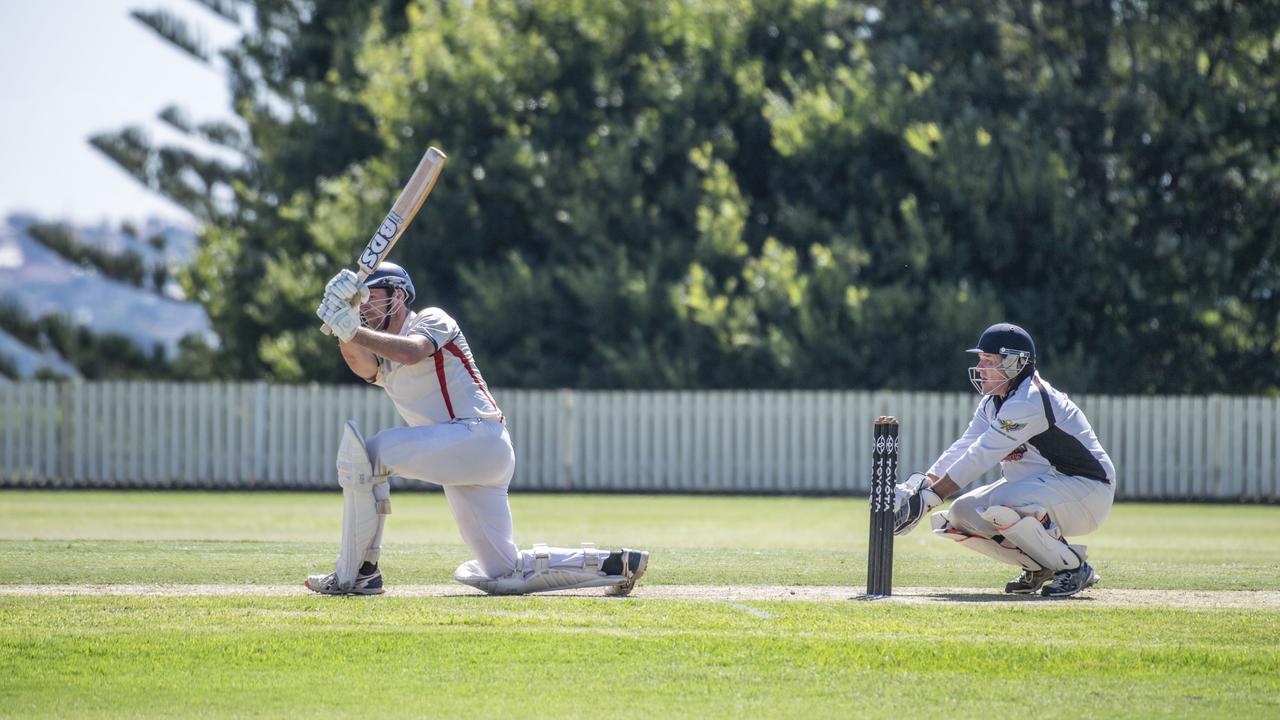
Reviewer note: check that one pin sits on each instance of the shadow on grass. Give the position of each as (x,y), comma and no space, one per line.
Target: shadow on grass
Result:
(1000,598)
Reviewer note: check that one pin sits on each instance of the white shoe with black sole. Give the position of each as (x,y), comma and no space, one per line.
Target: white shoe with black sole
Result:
(1071,582)
(370,584)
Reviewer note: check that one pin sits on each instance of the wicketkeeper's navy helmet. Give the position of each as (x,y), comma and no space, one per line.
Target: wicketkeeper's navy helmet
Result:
(1006,339)
(1017,351)
(391,275)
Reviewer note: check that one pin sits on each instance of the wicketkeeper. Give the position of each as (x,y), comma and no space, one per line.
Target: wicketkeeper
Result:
(456,438)
(1057,480)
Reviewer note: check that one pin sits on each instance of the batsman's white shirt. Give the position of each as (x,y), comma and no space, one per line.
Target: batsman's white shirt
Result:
(445,387)
(1034,431)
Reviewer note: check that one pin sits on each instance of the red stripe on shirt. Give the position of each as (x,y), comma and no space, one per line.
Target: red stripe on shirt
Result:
(475,376)
(444,386)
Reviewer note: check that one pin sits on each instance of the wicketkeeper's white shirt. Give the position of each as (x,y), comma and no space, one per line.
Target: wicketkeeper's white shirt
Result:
(445,386)
(1033,431)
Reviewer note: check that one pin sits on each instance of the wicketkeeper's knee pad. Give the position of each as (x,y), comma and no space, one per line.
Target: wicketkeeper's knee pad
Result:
(1004,553)
(366,501)
(539,571)
(1032,531)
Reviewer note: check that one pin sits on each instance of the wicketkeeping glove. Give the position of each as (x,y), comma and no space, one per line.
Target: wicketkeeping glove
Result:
(912,500)
(341,317)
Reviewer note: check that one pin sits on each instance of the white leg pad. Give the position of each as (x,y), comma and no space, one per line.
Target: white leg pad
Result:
(1028,533)
(986,546)
(537,573)
(366,501)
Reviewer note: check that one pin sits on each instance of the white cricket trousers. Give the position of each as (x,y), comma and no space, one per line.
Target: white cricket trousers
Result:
(473,462)
(1078,505)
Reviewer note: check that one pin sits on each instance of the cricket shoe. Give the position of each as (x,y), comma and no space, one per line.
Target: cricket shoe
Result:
(1029,582)
(365,584)
(634,563)
(1070,582)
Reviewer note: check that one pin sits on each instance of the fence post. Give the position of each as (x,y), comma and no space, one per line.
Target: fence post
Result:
(567,431)
(65,426)
(260,431)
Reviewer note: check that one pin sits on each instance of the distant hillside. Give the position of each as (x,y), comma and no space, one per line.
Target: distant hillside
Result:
(70,282)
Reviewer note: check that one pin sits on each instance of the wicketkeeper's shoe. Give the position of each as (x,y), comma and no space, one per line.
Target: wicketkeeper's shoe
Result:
(369,583)
(1070,582)
(634,563)
(1029,581)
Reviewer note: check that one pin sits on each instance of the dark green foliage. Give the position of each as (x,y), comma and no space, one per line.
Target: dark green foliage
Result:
(8,369)
(781,193)
(125,267)
(228,9)
(100,356)
(174,29)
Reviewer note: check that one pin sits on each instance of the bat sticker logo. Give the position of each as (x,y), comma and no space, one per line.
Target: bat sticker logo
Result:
(381,240)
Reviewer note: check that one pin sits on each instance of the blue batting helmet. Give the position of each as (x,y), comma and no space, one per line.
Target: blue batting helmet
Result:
(391,275)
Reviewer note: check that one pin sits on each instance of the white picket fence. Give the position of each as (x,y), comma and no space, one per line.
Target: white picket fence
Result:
(258,435)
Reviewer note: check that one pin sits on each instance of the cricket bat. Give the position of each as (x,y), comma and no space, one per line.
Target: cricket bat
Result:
(415,193)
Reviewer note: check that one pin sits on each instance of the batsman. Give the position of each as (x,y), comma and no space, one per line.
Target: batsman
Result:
(456,437)
(1057,480)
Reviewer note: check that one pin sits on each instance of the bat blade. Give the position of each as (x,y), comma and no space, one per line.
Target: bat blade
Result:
(406,207)
(402,212)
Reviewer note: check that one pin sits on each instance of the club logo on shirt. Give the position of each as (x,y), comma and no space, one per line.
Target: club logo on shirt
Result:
(1010,426)
(1017,454)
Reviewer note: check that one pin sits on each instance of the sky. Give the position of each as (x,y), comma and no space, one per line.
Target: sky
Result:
(73,68)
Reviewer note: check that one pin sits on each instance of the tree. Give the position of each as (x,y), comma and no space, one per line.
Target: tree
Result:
(126,267)
(782,193)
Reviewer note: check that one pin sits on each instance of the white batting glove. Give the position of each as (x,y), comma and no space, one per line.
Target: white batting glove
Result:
(346,286)
(341,317)
(912,500)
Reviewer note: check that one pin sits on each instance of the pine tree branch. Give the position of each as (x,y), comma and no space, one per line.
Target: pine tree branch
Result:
(174,117)
(226,9)
(176,31)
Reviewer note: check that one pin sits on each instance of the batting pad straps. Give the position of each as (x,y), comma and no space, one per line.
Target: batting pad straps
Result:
(541,558)
(592,558)
(382,498)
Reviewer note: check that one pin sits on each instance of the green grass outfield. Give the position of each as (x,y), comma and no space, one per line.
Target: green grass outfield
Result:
(120,636)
